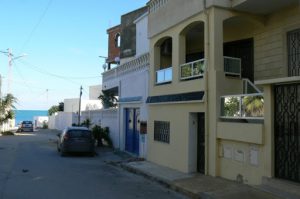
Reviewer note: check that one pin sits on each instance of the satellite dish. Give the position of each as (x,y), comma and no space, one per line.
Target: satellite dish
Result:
(117,59)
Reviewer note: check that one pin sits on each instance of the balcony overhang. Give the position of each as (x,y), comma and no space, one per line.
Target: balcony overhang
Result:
(262,7)
(284,80)
(176,98)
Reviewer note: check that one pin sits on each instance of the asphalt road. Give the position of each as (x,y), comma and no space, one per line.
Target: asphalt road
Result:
(31,168)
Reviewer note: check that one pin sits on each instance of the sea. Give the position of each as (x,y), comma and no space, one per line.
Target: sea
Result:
(23,115)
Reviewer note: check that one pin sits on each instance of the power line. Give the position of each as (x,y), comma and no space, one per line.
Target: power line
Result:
(22,77)
(36,25)
(43,71)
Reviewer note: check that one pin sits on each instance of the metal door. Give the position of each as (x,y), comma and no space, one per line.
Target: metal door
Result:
(201,143)
(132,133)
(287,132)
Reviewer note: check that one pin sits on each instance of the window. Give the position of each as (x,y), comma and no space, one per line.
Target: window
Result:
(293,45)
(118,40)
(162,131)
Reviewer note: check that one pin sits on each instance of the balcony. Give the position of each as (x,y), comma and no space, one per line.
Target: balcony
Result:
(138,64)
(232,66)
(164,76)
(246,106)
(192,70)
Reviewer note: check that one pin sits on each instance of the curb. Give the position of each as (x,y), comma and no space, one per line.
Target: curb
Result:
(165,183)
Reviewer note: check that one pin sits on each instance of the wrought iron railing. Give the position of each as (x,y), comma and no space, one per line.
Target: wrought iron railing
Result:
(246,106)
(164,75)
(192,69)
(232,66)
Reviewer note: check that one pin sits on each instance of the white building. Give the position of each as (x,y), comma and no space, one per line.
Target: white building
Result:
(129,81)
(39,121)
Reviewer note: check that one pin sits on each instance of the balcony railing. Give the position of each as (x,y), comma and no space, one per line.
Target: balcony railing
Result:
(249,87)
(138,64)
(247,106)
(164,75)
(192,69)
(232,66)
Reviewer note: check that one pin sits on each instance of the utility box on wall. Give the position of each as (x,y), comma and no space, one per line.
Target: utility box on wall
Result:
(143,127)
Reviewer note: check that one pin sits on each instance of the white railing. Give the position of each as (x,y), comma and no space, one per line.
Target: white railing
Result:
(246,106)
(232,66)
(164,75)
(140,63)
(192,69)
(154,5)
(249,87)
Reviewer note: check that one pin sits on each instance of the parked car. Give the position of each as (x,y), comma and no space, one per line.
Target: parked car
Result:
(76,139)
(26,126)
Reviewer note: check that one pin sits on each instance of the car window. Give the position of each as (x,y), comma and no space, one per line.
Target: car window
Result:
(79,133)
(27,122)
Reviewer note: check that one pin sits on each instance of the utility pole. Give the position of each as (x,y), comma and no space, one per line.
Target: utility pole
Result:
(9,55)
(79,111)
(11,58)
(0,87)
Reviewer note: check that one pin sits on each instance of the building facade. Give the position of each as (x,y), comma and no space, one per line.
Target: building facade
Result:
(129,82)
(223,88)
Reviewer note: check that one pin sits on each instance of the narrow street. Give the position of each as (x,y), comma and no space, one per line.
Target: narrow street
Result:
(31,168)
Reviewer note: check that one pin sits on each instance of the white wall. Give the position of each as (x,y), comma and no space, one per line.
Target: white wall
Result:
(38,121)
(95,91)
(105,118)
(62,120)
(142,41)
(72,105)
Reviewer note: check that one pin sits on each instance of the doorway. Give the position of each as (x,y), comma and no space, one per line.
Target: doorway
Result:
(132,138)
(244,50)
(201,143)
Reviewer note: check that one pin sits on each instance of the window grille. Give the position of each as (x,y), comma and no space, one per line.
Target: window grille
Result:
(162,131)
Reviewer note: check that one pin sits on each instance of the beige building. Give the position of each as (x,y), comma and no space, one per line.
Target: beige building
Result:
(224,88)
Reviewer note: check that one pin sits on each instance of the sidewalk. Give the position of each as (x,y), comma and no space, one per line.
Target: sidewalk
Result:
(191,185)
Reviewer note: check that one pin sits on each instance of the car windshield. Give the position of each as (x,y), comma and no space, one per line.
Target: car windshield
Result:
(27,122)
(79,133)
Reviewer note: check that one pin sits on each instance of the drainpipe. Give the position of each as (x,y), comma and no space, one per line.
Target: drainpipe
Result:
(206,53)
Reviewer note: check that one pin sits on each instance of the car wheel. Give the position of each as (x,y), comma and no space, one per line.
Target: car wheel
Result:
(92,154)
(62,153)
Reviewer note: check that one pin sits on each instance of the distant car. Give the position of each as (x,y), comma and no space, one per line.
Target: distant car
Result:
(76,139)
(26,126)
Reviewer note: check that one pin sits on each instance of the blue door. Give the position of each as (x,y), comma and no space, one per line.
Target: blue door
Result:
(132,130)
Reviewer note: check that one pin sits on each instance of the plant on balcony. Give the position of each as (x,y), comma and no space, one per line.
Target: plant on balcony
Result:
(186,71)
(254,106)
(198,68)
(231,107)
(108,100)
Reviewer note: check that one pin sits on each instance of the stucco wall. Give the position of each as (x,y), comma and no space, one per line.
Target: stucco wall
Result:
(177,153)
(61,120)
(142,41)
(270,44)
(72,105)
(178,58)
(105,118)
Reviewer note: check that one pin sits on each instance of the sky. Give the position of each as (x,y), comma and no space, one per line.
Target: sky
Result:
(61,41)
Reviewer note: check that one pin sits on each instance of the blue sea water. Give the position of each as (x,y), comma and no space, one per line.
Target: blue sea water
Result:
(22,115)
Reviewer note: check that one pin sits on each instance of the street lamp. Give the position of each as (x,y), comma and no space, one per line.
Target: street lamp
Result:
(104,66)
